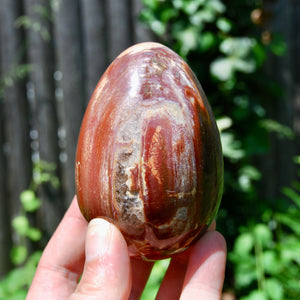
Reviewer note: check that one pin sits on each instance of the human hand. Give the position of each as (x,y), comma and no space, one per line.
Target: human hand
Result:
(99,253)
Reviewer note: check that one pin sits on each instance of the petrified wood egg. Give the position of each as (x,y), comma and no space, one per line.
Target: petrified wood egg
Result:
(149,157)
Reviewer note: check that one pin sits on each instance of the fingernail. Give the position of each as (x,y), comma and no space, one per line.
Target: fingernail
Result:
(97,239)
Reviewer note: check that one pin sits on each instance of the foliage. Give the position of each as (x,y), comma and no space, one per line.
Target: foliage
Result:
(19,70)
(222,43)
(266,256)
(37,26)
(226,51)
(16,72)
(16,283)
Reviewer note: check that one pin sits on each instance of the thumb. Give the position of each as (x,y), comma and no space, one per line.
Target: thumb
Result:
(106,273)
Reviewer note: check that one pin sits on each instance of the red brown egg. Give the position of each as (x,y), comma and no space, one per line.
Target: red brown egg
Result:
(149,157)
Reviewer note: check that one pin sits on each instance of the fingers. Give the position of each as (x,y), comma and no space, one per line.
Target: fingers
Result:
(62,260)
(206,268)
(107,268)
(172,283)
(107,271)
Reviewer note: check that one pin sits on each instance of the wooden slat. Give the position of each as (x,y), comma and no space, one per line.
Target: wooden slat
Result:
(140,32)
(119,21)
(295,49)
(67,36)
(5,228)
(41,58)
(94,43)
(15,106)
(16,164)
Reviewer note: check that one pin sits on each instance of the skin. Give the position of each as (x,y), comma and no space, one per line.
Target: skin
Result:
(98,253)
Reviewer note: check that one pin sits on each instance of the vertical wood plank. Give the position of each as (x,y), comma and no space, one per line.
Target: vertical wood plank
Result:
(140,31)
(69,54)
(119,21)
(94,42)
(5,228)
(282,107)
(16,163)
(15,106)
(41,58)
(279,160)
(295,50)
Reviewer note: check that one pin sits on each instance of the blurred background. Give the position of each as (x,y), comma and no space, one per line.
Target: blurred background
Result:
(246,57)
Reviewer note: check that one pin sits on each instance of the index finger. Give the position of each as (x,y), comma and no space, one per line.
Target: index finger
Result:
(62,261)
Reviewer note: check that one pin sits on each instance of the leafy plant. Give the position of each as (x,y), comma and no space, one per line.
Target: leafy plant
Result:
(223,45)
(16,283)
(266,258)
(43,13)
(226,51)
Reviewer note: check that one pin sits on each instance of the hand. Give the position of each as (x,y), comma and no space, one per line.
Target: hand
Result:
(98,252)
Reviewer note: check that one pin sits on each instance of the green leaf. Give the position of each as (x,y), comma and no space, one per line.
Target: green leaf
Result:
(18,255)
(274,289)
(178,3)
(34,234)
(289,250)
(244,183)
(31,265)
(252,172)
(272,263)
(231,147)
(274,126)
(167,14)
(245,273)
(224,25)
(243,244)
(191,7)
(188,39)
(216,6)
(238,47)
(255,295)
(278,46)
(293,195)
(12,283)
(29,201)
(297,159)
(158,27)
(247,175)
(222,68)
(33,260)
(260,54)
(245,66)
(153,4)
(202,16)
(290,221)
(224,123)
(20,225)
(263,234)
(206,41)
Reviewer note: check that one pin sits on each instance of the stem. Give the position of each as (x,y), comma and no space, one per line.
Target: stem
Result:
(261,282)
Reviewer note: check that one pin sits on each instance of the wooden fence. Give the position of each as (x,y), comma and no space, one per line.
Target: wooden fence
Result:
(52,53)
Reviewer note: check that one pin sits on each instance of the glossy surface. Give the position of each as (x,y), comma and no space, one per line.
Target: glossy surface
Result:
(149,157)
